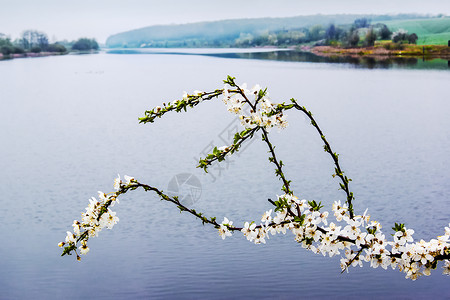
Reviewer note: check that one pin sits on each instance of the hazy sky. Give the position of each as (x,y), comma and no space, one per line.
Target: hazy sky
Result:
(71,19)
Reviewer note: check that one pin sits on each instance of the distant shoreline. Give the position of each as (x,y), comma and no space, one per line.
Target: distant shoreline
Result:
(42,54)
(29,54)
(379,52)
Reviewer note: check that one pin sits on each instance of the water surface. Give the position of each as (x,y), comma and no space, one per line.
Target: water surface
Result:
(69,125)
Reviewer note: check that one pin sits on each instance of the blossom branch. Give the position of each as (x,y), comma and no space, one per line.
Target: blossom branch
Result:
(279,164)
(219,154)
(327,148)
(179,105)
(303,218)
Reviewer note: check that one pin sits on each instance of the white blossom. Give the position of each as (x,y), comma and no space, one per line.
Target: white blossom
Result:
(404,236)
(267,218)
(84,249)
(70,237)
(223,228)
(128,180)
(117,183)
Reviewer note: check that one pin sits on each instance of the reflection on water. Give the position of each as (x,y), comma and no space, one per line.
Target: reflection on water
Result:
(360,62)
(300,56)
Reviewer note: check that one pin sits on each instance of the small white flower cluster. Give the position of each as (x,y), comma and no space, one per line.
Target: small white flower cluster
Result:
(235,102)
(223,228)
(369,243)
(98,215)
(95,218)
(118,183)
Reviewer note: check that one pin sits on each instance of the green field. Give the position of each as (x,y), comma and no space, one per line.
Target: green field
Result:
(434,31)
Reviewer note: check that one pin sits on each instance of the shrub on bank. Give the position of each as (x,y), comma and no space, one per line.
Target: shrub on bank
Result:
(36,49)
(56,48)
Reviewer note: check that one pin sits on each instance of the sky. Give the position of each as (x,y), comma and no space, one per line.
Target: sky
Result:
(72,19)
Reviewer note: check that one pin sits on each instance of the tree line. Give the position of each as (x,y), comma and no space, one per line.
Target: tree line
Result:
(35,42)
(360,33)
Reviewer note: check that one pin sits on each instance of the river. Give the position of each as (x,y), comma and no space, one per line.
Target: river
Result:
(70,125)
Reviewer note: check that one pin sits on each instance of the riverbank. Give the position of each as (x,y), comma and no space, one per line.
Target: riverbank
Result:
(43,54)
(30,54)
(385,51)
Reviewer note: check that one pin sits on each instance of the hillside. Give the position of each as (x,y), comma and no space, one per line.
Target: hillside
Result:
(222,33)
(434,31)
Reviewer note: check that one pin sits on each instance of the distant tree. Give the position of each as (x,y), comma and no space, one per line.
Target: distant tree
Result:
(402,36)
(56,48)
(42,40)
(385,33)
(85,44)
(283,37)
(298,36)
(370,38)
(33,38)
(399,36)
(36,49)
(273,40)
(352,38)
(245,40)
(330,33)
(65,43)
(6,48)
(316,33)
(362,23)
(334,33)
(5,41)
(412,38)
(27,39)
(18,50)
